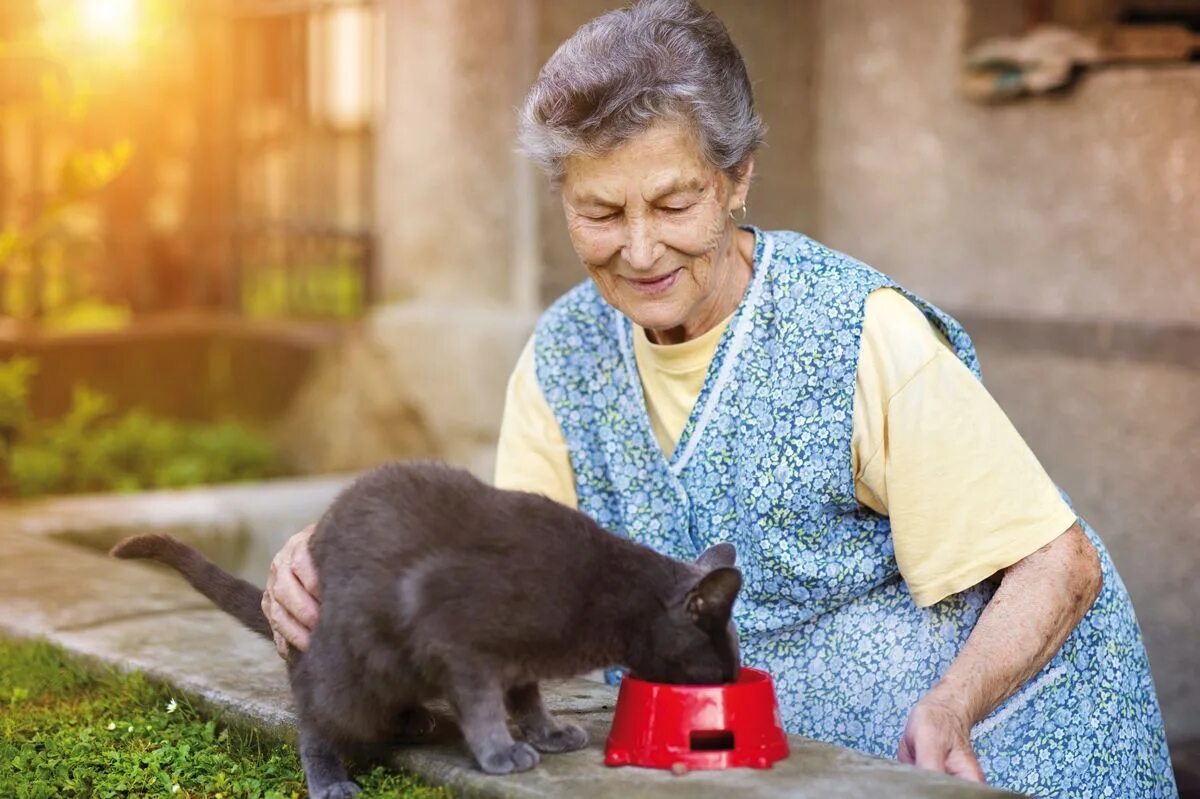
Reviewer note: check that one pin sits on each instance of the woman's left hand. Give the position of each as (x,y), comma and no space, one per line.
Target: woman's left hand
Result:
(939,739)
(1040,600)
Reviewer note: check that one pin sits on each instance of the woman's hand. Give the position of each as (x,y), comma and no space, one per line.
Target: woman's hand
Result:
(939,739)
(292,595)
(1040,600)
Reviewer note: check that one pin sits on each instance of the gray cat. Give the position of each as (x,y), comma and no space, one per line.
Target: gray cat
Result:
(436,585)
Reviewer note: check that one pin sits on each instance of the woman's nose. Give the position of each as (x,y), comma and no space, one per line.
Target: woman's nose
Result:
(643,249)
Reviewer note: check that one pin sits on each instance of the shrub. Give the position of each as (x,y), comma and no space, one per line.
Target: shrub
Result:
(14,395)
(91,448)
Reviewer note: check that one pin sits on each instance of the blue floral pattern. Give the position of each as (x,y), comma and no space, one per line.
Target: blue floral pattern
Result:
(764,462)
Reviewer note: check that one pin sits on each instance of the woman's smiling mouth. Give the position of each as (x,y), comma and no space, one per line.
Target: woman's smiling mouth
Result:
(655,285)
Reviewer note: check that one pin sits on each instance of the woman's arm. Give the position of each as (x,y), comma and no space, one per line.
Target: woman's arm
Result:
(1041,599)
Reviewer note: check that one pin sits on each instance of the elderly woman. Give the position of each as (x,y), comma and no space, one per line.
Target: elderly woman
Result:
(914,581)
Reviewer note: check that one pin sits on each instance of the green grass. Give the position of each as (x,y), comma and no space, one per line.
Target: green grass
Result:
(74,730)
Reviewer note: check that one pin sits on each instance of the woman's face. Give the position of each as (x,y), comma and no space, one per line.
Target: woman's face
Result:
(651,222)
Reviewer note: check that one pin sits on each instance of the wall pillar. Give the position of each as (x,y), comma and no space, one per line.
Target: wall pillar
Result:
(454,201)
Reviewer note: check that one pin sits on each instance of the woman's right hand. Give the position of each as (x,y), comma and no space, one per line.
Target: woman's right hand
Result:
(292,596)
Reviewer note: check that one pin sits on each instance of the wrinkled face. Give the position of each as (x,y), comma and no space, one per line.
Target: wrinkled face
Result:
(650,221)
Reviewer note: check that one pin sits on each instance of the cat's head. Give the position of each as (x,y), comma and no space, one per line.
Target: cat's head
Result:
(691,641)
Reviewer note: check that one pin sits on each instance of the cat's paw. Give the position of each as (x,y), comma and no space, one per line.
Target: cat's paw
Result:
(518,757)
(338,790)
(566,738)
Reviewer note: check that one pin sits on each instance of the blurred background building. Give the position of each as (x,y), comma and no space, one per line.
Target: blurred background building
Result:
(308,215)
(168,155)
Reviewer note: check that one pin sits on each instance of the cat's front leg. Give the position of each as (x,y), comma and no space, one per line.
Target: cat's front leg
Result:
(478,700)
(546,733)
(323,769)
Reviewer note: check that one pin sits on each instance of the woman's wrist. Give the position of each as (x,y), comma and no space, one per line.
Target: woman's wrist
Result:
(958,698)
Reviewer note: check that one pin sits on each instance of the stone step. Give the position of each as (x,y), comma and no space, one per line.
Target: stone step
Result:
(137,616)
(239,525)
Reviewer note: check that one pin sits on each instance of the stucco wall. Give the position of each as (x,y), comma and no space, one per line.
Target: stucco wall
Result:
(449,189)
(1080,205)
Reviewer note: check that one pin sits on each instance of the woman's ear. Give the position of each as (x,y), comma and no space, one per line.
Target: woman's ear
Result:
(746,171)
(741,185)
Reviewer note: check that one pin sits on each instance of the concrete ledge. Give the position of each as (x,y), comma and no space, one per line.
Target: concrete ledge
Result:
(247,369)
(240,526)
(139,617)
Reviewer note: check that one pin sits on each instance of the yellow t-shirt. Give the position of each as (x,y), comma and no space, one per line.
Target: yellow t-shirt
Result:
(929,448)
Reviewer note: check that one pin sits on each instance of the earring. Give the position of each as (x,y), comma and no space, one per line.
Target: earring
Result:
(742,211)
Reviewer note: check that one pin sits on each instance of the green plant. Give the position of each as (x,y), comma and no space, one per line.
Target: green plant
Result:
(325,289)
(51,94)
(32,253)
(50,84)
(68,730)
(87,314)
(91,448)
(14,397)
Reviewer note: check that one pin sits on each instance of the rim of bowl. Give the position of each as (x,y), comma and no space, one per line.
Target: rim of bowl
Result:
(746,676)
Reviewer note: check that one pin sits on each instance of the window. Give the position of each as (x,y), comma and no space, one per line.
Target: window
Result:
(305,100)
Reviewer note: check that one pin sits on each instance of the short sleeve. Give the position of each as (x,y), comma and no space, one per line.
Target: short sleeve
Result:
(965,495)
(532,454)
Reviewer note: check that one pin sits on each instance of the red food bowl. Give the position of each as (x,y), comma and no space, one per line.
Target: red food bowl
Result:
(683,727)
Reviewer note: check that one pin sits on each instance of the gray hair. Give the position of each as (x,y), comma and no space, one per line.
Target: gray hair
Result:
(625,70)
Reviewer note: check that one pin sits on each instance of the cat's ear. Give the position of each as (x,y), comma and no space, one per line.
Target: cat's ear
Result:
(710,602)
(717,556)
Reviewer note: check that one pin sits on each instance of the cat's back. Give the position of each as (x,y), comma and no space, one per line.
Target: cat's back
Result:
(394,506)
(406,509)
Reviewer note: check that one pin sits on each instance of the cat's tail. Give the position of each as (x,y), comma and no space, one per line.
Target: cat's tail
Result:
(238,598)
